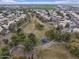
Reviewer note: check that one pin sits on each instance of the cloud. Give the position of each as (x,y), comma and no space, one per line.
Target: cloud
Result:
(66,2)
(37,2)
(7,1)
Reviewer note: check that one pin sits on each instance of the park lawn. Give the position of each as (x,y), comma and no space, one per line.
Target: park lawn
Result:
(55,52)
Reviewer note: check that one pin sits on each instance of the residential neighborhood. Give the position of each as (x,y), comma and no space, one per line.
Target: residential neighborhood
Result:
(62,16)
(39,32)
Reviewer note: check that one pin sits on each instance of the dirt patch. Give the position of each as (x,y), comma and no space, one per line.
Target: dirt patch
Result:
(55,52)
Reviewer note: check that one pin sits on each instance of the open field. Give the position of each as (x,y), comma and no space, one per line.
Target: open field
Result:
(30,28)
(55,52)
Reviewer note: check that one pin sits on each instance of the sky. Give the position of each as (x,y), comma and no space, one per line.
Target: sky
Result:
(39,1)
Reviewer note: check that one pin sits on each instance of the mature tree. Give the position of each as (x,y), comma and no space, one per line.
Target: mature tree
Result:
(60,14)
(74,46)
(67,25)
(13,41)
(4,52)
(17,38)
(19,30)
(68,15)
(54,35)
(12,27)
(21,36)
(28,45)
(31,42)
(59,28)
(66,36)
(5,41)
